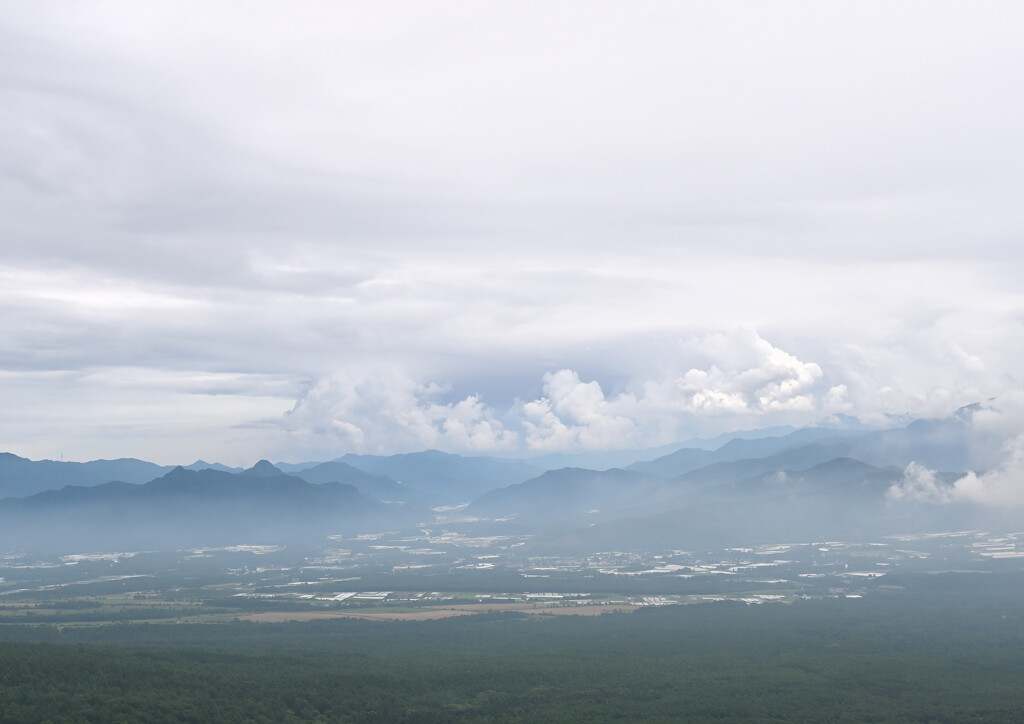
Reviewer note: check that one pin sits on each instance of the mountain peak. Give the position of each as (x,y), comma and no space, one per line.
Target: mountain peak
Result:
(263,469)
(966,413)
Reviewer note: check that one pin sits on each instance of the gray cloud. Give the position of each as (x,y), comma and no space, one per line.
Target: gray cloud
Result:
(490,201)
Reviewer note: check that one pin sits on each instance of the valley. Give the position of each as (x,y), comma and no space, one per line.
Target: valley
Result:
(446,573)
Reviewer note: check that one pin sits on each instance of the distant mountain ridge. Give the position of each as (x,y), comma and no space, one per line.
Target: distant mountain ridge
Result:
(20,476)
(566,494)
(945,444)
(446,478)
(377,486)
(829,480)
(203,465)
(189,507)
(453,478)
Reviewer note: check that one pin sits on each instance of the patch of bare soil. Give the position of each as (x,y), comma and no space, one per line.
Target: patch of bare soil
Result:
(428,614)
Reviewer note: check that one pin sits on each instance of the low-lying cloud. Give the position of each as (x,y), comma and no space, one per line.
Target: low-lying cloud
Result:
(745,378)
(1002,486)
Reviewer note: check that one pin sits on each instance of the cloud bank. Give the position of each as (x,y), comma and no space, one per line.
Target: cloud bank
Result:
(390,412)
(747,380)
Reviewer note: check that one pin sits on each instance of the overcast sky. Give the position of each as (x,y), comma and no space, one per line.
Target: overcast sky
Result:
(295,230)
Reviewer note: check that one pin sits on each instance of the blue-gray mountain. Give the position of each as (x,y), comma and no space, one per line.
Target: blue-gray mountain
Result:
(448,479)
(187,508)
(20,476)
(814,483)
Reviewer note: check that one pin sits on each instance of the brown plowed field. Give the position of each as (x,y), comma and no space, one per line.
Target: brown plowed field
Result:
(428,614)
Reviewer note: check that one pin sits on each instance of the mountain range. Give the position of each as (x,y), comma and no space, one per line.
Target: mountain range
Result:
(191,508)
(818,482)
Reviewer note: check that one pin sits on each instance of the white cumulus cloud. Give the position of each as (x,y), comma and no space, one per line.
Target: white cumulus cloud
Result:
(745,376)
(920,484)
(1001,486)
(574,414)
(390,412)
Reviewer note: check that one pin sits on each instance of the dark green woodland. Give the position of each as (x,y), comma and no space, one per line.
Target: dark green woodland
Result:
(950,651)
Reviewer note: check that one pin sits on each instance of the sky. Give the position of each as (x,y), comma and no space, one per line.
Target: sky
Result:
(235,231)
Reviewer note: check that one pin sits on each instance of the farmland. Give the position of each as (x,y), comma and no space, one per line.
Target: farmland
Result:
(380,577)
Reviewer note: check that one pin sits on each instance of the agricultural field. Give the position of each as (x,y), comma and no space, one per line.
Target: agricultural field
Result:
(375,577)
